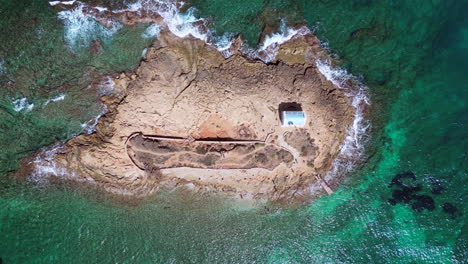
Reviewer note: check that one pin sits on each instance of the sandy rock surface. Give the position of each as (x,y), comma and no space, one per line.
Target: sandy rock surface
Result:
(189,117)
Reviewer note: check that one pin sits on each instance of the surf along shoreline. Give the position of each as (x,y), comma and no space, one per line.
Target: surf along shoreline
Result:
(165,16)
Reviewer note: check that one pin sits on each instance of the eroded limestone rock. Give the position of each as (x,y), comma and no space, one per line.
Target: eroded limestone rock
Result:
(188,90)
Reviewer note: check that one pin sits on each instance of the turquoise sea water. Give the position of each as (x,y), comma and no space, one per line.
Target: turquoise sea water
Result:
(413,56)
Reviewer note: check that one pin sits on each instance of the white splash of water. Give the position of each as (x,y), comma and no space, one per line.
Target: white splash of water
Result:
(152,31)
(180,24)
(187,24)
(132,7)
(106,86)
(223,43)
(54,3)
(337,76)
(276,39)
(22,104)
(59,97)
(89,127)
(353,146)
(101,9)
(82,29)
(183,25)
(268,49)
(45,166)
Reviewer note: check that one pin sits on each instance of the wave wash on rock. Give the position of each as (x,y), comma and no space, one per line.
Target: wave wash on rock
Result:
(353,147)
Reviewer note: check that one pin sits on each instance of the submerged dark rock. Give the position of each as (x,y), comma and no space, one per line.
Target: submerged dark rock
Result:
(450,209)
(398,179)
(422,202)
(400,196)
(409,194)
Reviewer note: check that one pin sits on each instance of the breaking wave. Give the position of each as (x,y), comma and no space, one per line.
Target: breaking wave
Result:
(21,104)
(45,166)
(89,127)
(82,26)
(353,146)
(81,29)
(151,32)
(54,3)
(57,98)
(268,49)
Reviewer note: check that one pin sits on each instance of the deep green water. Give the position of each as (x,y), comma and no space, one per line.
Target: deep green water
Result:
(413,55)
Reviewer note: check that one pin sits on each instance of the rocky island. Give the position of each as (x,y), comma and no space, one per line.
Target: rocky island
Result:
(190,117)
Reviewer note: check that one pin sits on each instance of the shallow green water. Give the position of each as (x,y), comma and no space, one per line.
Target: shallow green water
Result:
(414,57)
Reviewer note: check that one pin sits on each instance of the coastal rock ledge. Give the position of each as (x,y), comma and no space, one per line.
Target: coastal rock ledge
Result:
(189,117)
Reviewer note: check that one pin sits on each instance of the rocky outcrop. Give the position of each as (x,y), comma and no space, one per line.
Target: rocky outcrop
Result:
(190,117)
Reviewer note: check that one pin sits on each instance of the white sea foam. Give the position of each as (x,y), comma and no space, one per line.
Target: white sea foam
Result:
(59,97)
(89,127)
(101,9)
(268,49)
(45,166)
(183,25)
(54,3)
(223,43)
(106,86)
(180,24)
(353,146)
(152,31)
(81,29)
(285,34)
(82,26)
(187,24)
(21,104)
